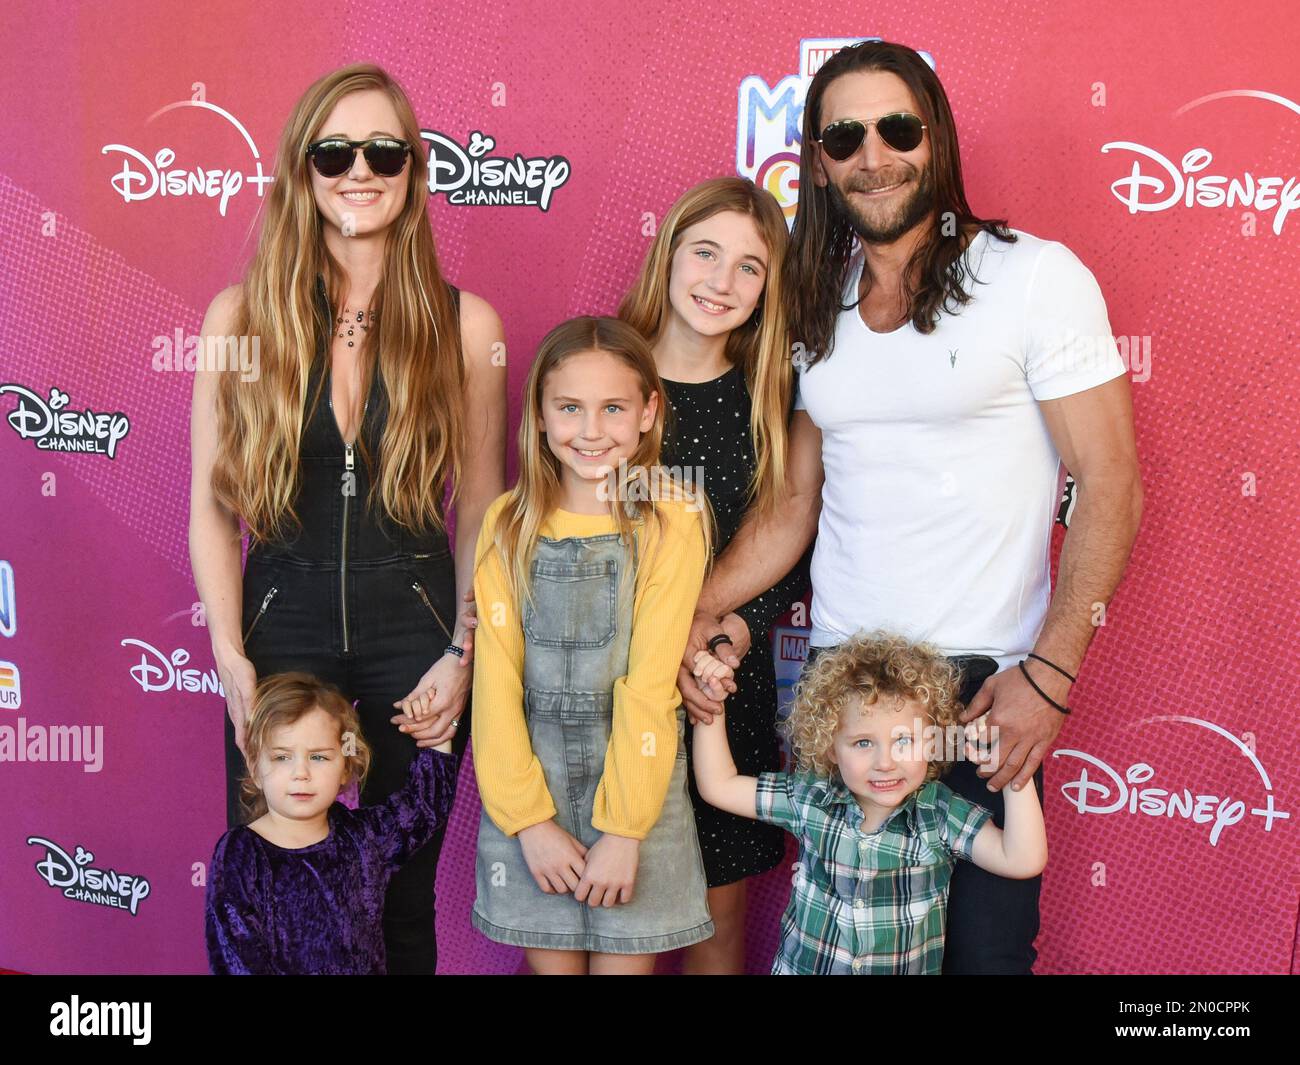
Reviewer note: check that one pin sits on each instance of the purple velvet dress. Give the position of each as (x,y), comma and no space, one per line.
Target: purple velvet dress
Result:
(320,909)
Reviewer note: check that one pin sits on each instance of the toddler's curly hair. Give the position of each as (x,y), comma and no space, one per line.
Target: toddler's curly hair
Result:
(873,666)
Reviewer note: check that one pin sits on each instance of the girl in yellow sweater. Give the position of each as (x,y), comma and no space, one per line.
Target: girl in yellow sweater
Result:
(587,575)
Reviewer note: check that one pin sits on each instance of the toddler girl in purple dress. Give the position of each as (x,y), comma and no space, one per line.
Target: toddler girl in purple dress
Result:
(300,888)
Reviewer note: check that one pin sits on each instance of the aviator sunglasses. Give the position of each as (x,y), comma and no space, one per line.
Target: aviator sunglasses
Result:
(901,131)
(333,156)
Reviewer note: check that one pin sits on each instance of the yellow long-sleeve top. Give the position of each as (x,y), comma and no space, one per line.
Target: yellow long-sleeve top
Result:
(637,767)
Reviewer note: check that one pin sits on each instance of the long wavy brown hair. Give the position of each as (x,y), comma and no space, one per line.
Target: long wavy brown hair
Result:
(822,239)
(538,490)
(760,348)
(414,345)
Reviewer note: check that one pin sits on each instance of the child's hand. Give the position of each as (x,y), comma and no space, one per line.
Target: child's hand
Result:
(611,871)
(554,857)
(418,706)
(710,673)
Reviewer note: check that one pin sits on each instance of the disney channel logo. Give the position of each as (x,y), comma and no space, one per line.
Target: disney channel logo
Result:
(468,176)
(56,429)
(78,879)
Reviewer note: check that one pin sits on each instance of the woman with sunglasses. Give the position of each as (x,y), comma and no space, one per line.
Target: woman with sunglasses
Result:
(338,453)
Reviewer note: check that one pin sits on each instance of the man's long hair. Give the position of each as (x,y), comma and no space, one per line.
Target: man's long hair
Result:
(822,240)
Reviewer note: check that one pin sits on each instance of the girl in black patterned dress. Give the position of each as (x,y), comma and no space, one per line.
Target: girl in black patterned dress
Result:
(708,299)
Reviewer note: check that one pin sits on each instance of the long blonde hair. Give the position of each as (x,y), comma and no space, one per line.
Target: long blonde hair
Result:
(537,492)
(260,422)
(761,349)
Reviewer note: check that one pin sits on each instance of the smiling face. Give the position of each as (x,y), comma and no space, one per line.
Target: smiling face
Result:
(718,273)
(593,414)
(302,768)
(359,202)
(880,752)
(881,192)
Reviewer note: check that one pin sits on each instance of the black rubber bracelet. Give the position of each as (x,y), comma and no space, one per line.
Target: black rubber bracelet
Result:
(1052,664)
(1063,709)
(452,649)
(718,640)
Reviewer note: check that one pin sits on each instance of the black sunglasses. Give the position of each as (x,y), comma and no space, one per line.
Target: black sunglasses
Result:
(901,131)
(334,156)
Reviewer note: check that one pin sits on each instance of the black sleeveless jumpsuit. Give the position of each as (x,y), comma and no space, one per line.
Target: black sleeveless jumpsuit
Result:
(358,601)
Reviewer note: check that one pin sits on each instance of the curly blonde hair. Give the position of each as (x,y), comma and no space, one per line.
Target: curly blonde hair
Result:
(281,699)
(872,666)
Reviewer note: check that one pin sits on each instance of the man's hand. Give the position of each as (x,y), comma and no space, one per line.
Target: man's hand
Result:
(1022,722)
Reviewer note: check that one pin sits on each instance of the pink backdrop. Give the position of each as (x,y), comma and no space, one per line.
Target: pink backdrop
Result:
(1191,686)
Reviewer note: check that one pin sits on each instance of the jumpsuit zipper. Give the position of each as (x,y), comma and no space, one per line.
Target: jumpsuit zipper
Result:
(343,556)
(266,601)
(348,466)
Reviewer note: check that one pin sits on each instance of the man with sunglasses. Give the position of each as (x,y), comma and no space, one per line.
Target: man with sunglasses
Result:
(946,367)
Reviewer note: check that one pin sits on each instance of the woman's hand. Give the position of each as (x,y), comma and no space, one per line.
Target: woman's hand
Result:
(554,857)
(238,679)
(431,711)
(610,874)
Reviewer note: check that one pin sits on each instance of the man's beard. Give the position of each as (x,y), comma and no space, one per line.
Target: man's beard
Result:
(889,226)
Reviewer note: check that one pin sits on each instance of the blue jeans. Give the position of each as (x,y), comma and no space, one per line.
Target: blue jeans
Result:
(992,920)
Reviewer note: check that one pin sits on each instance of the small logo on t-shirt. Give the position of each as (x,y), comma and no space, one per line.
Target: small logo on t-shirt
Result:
(952,358)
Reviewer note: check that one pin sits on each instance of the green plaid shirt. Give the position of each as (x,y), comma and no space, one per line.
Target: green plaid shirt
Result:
(866,902)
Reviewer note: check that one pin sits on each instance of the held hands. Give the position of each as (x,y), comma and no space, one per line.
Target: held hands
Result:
(700,706)
(711,675)
(431,711)
(554,857)
(610,874)
(1025,724)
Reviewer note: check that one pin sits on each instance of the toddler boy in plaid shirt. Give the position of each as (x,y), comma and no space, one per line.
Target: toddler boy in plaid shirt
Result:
(871,724)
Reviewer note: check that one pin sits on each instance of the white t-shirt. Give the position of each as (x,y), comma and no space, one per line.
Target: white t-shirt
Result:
(942,481)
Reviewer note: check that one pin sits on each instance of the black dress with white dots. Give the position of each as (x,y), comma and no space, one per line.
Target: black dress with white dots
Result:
(708,427)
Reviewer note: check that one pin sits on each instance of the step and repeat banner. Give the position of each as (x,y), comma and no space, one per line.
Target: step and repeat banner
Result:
(1160,142)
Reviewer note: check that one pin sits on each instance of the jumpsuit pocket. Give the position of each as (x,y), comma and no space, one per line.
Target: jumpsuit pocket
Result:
(274,586)
(573,605)
(418,588)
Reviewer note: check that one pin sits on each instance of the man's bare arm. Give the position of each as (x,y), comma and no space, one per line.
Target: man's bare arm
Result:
(765,549)
(1093,432)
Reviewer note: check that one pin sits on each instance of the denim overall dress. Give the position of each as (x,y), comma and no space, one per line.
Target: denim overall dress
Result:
(576,637)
